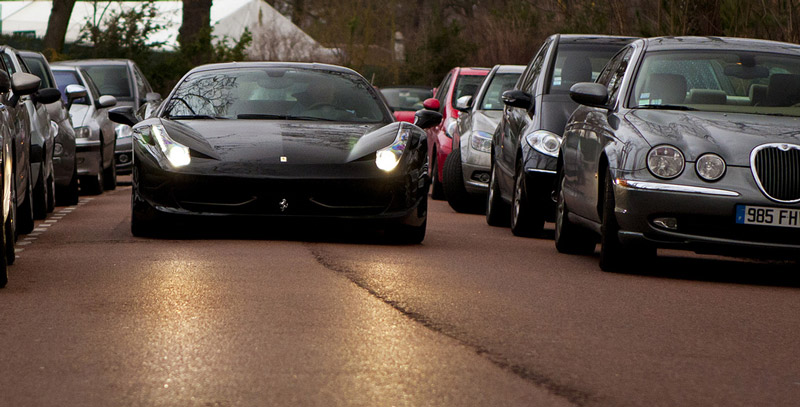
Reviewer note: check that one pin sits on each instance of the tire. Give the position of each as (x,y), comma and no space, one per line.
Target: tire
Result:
(110,177)
(526,219)
(496,209)
(453,184)
(40,196)
(10,230)
(570,238)
(51,190)
(25,211)
(69,195)
(3,257)
(437,189)
(93,184)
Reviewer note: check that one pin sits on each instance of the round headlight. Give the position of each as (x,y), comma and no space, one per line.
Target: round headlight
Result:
(710,167)
(665,161)
(544,142)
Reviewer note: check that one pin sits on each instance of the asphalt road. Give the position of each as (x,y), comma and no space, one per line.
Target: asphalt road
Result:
(256,314)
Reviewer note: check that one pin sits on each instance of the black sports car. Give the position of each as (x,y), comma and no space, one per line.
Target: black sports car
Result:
(282,140)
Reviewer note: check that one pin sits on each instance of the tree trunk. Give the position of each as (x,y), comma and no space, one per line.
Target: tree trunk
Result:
(57,25)
(195,32)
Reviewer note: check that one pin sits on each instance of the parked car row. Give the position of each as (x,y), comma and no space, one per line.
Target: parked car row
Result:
(638,144)
(57,138)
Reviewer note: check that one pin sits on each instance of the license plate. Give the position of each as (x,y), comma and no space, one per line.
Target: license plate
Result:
(764,215)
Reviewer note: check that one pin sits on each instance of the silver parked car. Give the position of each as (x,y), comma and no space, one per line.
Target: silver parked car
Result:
(95,136)
(684,142)
(466,169)
(122,79)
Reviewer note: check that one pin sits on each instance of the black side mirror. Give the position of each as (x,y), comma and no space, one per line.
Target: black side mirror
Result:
(589,94)
(123,115)
(425,118)
(517,98)
(47,96)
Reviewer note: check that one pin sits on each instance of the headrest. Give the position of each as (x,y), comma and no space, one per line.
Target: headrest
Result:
(576,68)
(669,88)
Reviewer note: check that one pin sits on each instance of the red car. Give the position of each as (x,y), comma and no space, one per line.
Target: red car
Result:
(406,100)
(459,82)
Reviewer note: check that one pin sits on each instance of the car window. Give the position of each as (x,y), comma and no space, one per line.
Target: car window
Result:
(9,63)
(441,91)
(614,72)
(466,85)
(406,98)
(141,82)
(22,64)
(499,83)
(528,80)
(38,68)
(277,93)
(111,80)
(578,63)
(66,78)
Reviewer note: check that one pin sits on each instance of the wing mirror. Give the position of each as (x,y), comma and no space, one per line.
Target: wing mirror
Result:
(517,98)
(431,104)
(427,118)
(74,92)
(464,103)
(106,101)
(23,84)
(589,94)
(47,96)
(123,115)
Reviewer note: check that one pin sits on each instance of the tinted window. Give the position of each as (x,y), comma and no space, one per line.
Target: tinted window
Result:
(467,85)
(111,80)
(406,98)
(9,63)
(39,69)
(579,63)
(277,93)
(500,83)
(66,78)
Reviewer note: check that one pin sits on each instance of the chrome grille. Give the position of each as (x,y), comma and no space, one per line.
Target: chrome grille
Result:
(776,168)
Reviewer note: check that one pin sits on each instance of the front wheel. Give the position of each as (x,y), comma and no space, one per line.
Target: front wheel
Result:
(453,182)
(110,177)
(614,255)
(496,209)
(437,189)
(93,184)
(40,194)
(526,220)
(69,194)
(25,210)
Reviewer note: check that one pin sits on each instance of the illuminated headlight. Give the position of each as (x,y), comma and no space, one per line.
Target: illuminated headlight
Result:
(82,132)
(123,131)
(177,154)
(544,142)
(710,167)
(388,157)
(481,141)
(665,161)
(450,129)
(58,149)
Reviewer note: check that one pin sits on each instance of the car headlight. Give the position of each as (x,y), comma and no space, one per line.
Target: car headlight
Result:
(450,129)
(544,142)
(123,131)
(82,132)
(665,161)
(157,141)
(710,167)
(388,157)
(481,141)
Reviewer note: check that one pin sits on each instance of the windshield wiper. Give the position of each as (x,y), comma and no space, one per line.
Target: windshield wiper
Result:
(195,117)
(280,117)
(666,107)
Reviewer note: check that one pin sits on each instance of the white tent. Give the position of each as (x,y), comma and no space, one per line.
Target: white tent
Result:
(275,37)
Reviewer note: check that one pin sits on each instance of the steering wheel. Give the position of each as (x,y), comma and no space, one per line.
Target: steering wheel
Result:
(321,105)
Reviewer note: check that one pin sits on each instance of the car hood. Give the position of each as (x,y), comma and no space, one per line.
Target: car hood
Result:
(80,114)
(486,120)
(269,142)
(731,135)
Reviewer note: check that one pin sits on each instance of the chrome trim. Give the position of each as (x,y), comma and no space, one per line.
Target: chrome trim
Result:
(82,142)
(540,171)
(780,146)
(688,189)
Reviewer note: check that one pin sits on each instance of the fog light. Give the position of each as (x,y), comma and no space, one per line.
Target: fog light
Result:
(123,158)
(666,223)
(58,149)
(481,176)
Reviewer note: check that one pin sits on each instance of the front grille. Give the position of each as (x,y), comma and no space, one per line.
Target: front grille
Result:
(776,167)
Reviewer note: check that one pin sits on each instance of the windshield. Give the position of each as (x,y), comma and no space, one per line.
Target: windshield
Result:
(406,98)
(276,93)
(500,83)
(111,80)
(729,81)
(467,85)
(579,63)
(38,68)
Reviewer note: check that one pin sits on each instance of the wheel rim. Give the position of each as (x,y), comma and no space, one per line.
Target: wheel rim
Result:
(517,199)
(491,191)
(560,206)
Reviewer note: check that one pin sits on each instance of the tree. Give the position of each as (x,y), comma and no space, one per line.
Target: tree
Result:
(57,24)
(195,32)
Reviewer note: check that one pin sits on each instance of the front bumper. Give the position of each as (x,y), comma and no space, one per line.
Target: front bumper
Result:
(475,168)
(540,181)
(705,213)
(123,155)
(88,153)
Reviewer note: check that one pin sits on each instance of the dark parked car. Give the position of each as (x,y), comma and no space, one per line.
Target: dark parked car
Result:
(122,79)
(43,133)
(283,140)
(406,100)
(525,145)
(466,169)
(65,161)
(457,83)
(689,143)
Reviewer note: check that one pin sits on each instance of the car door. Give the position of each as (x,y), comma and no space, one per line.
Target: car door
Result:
(22,134)
(598,129)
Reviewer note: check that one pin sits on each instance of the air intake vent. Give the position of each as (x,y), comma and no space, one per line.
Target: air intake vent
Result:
(776,168)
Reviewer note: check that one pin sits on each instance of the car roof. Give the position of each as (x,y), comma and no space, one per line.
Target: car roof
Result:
(510,68)
(473,71)
(98,61)
(594,39)
(259,64)
(721,43)
(26,53)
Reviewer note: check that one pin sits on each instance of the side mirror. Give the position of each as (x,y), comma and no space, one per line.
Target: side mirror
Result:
(123,115)
(5,82)
(47,96)
(589,94)
(106,101)
(431,104)
(427,118)
(24,83)
(517,98)
(464,103)
(73,93)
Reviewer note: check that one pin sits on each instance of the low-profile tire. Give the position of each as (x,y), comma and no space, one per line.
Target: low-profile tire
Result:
(526,219)
(93,184)
(570,238)
(110,177)
(437,189)
(40,195)
(25,211)
(496,208)
(453,183)
(69,195)
(405,234)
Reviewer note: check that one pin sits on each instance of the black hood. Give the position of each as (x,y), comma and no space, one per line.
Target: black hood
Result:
(731,135)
